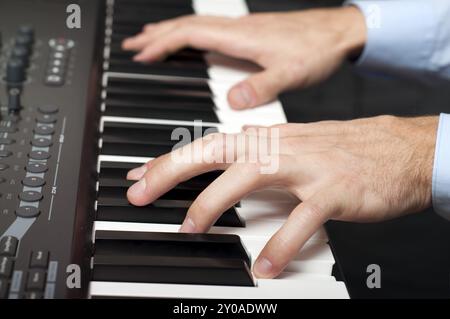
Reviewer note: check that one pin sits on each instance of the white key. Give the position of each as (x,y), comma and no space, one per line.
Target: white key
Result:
(266,289)
(254,229)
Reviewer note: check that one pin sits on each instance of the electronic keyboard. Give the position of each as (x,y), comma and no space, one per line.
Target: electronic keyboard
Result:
(77,114)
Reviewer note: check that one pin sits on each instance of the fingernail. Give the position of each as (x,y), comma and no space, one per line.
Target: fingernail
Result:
(263,267)
(138,189)
(138,58)
(240,96)
(137,173)
(188,226)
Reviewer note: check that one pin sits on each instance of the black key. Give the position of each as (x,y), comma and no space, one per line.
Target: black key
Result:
(44,130)
(39,259)
(36,280)
(34,295)
(142,139)
(46,118)
(170,244)
(125,110)
(173,194)
(39,155)
(3,166)
(30,196)
(41,142)
(48,109)
(27,212)
(37,168)
(114,174)
(5,153)
(171,258)
(159,215)
(175,270)
(8,246)
(3,288)
(196,88)
(33,181)
(6,267)
(181,69)
(6,141)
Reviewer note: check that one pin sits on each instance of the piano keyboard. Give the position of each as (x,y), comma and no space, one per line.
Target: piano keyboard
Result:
(138,250)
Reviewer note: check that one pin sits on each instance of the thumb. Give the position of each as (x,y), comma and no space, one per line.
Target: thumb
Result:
(258,89)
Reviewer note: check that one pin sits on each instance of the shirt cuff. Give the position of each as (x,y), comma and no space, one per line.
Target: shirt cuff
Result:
(392,42)
(441,169)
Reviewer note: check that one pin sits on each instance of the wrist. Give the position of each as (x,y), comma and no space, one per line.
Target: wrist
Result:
(353,30)
(425,150)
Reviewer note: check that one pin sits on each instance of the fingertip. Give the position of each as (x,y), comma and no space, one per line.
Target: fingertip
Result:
(126,44)
(263,268)
(137,193)
(188,226)
(241,96)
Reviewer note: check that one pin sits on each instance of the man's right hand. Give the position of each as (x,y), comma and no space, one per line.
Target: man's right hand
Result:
(294,49)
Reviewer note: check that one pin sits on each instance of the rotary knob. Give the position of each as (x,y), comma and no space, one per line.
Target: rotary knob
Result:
(21,53)
(15,71)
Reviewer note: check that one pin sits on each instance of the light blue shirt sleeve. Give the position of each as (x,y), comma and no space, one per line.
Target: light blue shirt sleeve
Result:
(407,37)
(441,169)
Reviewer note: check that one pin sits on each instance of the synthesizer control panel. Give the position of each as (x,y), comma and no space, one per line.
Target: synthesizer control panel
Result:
(49,75)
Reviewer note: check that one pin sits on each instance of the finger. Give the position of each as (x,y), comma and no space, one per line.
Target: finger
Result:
(302,223)
(213,152)
(259,88)
(211,34)
(150,32)
(230,187)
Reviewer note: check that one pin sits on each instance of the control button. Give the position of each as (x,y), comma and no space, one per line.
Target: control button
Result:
(41,142)
(3,289)
(3,167)
(30,196)
(8,129)
(34,295)
(54,80)
(46,118)
(44,130)
(39,155)
(39,259)
(36,280)
(56,63)
(57,55)
(37,168)
(27,212)
(6,141)
(6,267)
(48,109)
(33,181)
(55,70)
(5,153)
(14,118)
(8,246)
